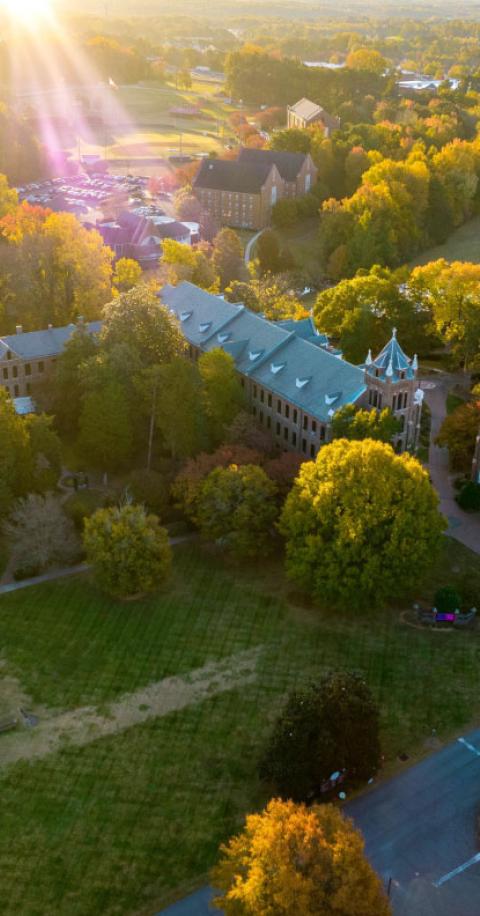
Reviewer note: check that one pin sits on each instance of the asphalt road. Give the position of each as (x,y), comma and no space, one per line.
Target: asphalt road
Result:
(420,831)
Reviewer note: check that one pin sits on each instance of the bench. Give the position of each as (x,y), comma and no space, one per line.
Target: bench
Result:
(7,725)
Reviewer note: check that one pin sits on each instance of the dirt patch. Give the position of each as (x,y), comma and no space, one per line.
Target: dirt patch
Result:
(81,726)
(12,696)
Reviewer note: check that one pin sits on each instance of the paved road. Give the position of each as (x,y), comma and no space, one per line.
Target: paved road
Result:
(249,246)
(420,831)
(462,526)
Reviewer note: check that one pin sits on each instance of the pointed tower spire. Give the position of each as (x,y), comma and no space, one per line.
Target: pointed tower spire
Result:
(368,361)
(394,333)
(389,371)
(415,363)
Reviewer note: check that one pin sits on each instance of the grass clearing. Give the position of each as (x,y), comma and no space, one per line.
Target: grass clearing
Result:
(463,245)
(114,826)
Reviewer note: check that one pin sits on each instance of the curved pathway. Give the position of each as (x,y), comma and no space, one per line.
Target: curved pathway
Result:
(462,526)
(250,245)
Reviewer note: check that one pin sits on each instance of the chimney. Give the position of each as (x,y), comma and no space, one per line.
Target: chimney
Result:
(50,326)
(19,329)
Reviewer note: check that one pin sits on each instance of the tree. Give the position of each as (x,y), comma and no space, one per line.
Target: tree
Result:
(291,140)
(184,79)
(127,274)
(65,391)
(138,318)
(188,484)
(458,433)
(8,198)
(227,257)
(222,394)
(181,262)
(237,508)
(46,450)
(106,425)
(331,726)
(366,59)
(40,535)
(187,206)
(352,423)
(129,551)
(178,407)
(268,252)
(16,464)
(361,524)
(319,866)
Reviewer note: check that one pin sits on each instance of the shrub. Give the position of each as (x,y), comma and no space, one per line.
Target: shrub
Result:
(41,535)
(187,486)
(129,551)
(447,600)
(82,505)
(469,497)
(236,507)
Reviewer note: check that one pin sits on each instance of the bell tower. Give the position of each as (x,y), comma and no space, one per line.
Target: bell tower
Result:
(391,381)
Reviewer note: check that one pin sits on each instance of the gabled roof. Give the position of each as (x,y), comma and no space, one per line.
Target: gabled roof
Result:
(288,164)
(232,175)
(40,344)
(305,328)
(285,362)
(391,361)
(310,111)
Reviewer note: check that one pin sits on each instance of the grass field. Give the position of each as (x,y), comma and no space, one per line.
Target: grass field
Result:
(115,826)
(463,245)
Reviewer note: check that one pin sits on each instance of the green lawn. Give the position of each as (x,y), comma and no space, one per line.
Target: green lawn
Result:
(116,826)
(463,245)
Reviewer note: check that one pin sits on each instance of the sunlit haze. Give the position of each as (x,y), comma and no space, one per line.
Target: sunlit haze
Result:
(27,12)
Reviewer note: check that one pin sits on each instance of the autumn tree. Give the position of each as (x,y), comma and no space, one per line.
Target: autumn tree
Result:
(182,262)
(236,508)
(188,484)
(227,257)
(222,394)
(361,524)
(138,319)
(129,551)
(366,59)
(16,462)
(320,866)
(352,423)
(127,274)
(331,726)
(458,433)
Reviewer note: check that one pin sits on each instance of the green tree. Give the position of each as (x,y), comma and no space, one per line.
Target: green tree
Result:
(237,508)
(222,394)
(361,524)
(129,551)
(268,252)
(106,425)
(178,410)
(127,274)
(291,140)
(319,866)
(150,330)
(227,257)
(181,262)
(16,463)
(64,392)
(352,423)
(331,726)
(46,450)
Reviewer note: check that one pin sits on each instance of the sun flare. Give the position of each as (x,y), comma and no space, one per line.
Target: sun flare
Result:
(27,12)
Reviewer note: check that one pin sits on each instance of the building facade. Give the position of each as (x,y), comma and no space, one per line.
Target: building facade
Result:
(293,381)
(306,113)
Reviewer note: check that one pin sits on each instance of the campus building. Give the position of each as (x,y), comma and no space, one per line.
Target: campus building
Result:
(242,192)
(293,381)
(306,113)
(28,357)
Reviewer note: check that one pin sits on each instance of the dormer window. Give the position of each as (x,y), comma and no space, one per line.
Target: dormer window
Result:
(254,354)
(301,382)
(9,354)
(222,338)
(275,368)
(184,316)
(204,326)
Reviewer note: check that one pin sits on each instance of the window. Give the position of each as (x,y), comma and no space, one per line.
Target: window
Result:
(405,399)
(262,395)
(285,433)
(254,391)
(269,400)
(15,391)
(314,426)
(322,433)
(304,445)
(28,369)
(269,422)
(242,382)
(305,422)
(287,410)
(29,388)
(394,402)
(9,354)
(279,406)
(254,411)
(15,371)
(5,373)
(278,429)
(312,451)
(294,438)
(295,416)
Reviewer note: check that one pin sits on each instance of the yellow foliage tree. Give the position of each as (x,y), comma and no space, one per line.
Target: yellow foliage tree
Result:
(297,861)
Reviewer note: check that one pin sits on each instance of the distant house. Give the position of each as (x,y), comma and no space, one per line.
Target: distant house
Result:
(27,357)
(139,236)
(305,113)
(242,192)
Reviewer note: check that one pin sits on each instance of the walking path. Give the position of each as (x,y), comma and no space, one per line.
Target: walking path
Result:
(84,725)
(462,526)
(249,246)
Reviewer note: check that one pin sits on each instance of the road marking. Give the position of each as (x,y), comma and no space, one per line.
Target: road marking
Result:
(470,747)
(457,871)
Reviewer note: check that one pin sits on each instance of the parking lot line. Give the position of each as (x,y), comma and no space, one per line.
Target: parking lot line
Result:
(457,871)
(470,747)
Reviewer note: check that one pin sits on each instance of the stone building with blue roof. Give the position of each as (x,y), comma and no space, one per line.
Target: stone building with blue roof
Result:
(293,381)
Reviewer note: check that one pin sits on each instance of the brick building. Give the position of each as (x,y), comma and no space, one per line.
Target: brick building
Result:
(242,192)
